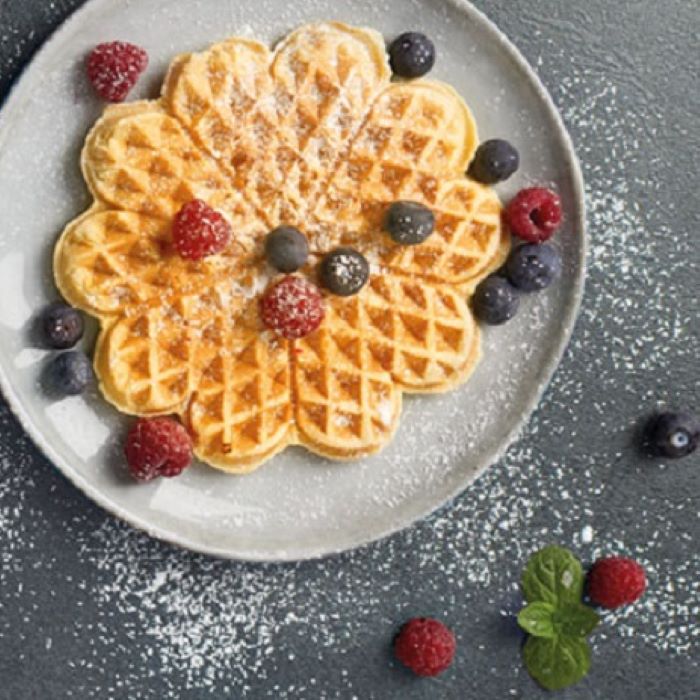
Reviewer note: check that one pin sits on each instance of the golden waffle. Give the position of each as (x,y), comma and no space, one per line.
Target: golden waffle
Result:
(315,135)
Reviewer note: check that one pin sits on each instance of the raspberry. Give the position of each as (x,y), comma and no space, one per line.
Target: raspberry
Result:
(616,581)
(293,307)
(199,230)
(157,447)
(113,69)
(426,646)
(534,214)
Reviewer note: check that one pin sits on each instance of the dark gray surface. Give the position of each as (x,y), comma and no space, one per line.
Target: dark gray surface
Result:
(92,609)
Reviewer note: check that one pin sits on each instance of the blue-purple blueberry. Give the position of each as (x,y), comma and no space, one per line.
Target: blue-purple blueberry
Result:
(69,373)
(495,161)
(674,434)
(62,326)
(495,301)
(409,223)
(286,249)
(533,267)
(412,55)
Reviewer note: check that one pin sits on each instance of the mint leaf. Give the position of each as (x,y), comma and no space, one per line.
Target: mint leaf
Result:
(553,575)
(558,662)
(574,620)
(537,619)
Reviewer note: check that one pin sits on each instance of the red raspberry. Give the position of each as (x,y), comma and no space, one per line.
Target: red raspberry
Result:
(426,646)
(114,68)
(534,214)
(616,581)
(157,447)
(293,307)
(199,230)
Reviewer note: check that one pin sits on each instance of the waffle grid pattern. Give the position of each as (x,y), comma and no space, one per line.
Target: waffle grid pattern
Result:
(314,135)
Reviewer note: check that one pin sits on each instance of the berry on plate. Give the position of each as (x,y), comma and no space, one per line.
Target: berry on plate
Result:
(412,55)
(344,271)
(425,645)
(62,326)
(495,161)
(286,248)
(534,214)
(409,223)
(157,447)
(533,267)
(293,307)
(496,301)
(200,231)
(616,581)
(674,434)
(114,67)
(69,373)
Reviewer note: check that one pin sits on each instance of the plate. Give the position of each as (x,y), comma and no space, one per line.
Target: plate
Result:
(297,506)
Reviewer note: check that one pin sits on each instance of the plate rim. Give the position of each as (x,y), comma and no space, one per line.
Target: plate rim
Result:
(14,100)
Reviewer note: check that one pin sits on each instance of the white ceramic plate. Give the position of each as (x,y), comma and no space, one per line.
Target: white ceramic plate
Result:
(298,506)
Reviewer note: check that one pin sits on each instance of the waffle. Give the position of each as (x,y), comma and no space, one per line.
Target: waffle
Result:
(314,135)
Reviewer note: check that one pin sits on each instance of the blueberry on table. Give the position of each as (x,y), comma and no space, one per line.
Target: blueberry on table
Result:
(533,267)
(286,249)
(62,326)
(674,434)
(69,373)
(409,223)
(344,271)
(412,55)
(495,161)
(495,301)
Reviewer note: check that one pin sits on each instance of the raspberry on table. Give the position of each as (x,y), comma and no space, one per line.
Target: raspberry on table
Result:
(425,645)
(199,231)
(114,67)
(293,307)
(616,581)
(157,447)
(534,214)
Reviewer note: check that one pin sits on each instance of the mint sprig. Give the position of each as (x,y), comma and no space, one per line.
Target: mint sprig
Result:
(557,654)
(553,575)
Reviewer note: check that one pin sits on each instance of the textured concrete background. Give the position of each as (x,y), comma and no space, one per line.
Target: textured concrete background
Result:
(92,609)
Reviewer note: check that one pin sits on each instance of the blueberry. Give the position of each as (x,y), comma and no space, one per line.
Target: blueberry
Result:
(344,271)
(62,326)
(495,161)
(495,301)
(286,249)
(674,434)
(69,373)
(412,55)
(533,267)
(409,223)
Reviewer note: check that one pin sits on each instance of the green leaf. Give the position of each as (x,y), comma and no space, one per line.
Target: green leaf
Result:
(558,662)
(574,620)
(553,575)
(537,619)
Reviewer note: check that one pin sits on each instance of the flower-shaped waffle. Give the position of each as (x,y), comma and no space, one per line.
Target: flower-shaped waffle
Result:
(313,135)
